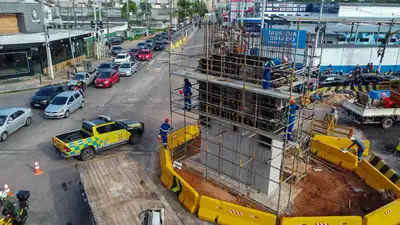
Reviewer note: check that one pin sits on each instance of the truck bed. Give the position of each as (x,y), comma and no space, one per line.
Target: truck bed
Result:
(73,136)
(118,189)
(364,111)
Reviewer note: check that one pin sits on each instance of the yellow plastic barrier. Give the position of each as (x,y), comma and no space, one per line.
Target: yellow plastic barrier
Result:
(328,220)
(177,138)
(374,178)
(381,165)
(340,143)
(189,197)
(387,215)
(225,213)
(166,167)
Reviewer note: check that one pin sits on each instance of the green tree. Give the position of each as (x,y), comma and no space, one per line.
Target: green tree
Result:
(132,8)
(199,7)
(184,9)
(145,8)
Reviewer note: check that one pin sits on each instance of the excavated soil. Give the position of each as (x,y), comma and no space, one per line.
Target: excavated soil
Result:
(335,193)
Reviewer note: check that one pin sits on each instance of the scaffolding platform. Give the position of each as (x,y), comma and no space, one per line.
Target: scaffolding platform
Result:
(280,93)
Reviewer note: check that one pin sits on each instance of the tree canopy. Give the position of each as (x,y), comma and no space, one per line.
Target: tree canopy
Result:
(187,8)
(145,8)
(132,8)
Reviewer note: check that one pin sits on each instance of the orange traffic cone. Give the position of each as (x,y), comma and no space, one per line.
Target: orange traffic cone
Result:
(37,170)
(159,140)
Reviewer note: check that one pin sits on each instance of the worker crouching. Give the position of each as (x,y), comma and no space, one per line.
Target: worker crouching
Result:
(267,73)
(287,132)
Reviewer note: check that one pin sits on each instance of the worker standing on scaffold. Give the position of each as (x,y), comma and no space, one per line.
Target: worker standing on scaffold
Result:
(292,118)
(268,66)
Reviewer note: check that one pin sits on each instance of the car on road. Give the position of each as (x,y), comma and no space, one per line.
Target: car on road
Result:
(134,52)
(115,50)
(12,119)
(107,66)
(127,69)
(87,77)
(174,29)
(64,104)
(164,35)
(390,78)
(43,97)
(141,45)
(107,79)
(150,41)
(96,135)
(123,57)
(145,54)
(115,41)
(326,81)
(159,46)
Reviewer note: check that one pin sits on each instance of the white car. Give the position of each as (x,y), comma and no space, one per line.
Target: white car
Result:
(123,57)
(12,119)
(64,104)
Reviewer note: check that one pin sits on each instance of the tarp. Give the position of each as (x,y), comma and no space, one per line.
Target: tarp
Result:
(377,94)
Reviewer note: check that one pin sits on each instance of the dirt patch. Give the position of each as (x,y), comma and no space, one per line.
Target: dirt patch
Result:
(334,193)
(336,99)
(192,148)
(212,189)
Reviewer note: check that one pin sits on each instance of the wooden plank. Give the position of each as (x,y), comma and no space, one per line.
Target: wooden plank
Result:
(115,193)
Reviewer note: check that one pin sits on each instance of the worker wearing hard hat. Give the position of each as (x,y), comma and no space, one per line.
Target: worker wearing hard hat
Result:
(334,114)
(10,203)
(268,66)
(292,118)
(360,145)
(164,129)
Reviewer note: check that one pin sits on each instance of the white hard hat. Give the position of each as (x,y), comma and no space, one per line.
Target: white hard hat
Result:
(3,195)
(352,138)
(334,107)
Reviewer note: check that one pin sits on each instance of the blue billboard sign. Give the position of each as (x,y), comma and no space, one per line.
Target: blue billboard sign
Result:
(284,38)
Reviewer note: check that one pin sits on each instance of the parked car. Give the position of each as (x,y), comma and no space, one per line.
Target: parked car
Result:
(145,54)
(332,81)
(107,66)
(128,68)
(64,104)
(150,41)
(120,58)
(87,78)
(390,78)
(115,41)
(370,80)
(107,79)
(12,119)
(134,52)
(43,97)
(159,46)
(115,50)
(141,45)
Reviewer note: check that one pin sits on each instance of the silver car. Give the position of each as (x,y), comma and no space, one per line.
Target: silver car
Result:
(64,104)
(12,119)
(126,69)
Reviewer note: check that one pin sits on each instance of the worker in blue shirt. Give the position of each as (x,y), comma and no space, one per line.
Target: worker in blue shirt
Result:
(360,145)
(164,129)
(292,118)
(268,66)
(187,93)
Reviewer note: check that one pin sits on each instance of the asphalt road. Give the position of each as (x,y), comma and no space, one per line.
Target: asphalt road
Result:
(55,195)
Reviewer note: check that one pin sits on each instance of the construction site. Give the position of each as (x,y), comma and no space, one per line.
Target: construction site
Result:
(240,155)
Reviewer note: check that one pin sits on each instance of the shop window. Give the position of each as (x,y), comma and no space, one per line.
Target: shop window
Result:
(14,63)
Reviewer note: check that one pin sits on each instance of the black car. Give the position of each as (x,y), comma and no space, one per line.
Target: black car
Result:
(370,80)
(159,46)
(327,81)
(164,35)
(148,46)
(107,66)
(43,97)
(150,41)
(115,50)
(134,52)
(115,41)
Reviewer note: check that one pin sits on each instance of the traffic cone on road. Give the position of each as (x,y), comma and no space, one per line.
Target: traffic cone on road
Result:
(159,139)
(37,170)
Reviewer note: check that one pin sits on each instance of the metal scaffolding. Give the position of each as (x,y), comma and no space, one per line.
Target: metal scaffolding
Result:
(228,96)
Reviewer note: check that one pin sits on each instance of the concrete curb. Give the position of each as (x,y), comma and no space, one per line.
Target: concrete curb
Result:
(30,89)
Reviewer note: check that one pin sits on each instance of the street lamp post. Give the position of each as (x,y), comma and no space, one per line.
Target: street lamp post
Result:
(46,39)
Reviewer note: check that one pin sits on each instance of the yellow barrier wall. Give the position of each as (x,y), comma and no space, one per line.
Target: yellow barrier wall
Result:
(341,142)
(189,197)
(334,155)
(386,215)
(330,220)
(177,138)
(374,178)
(225,213)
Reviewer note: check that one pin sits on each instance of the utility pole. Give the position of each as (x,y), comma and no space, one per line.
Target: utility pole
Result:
(108,29)
(73,8)
(260,53)
(46,39)
(95,30)
(127,12)
(382,48)
(318,28)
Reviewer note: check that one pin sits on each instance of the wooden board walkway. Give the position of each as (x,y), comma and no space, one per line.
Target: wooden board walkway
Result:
(118,189)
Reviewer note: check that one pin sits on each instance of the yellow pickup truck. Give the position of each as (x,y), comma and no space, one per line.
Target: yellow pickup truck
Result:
(96,135)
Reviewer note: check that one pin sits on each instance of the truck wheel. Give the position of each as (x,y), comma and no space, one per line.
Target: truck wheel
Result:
(387,123)
(87,154)
(134,138)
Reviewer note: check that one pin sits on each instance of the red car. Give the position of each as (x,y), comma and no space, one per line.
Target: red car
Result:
(145,54)
(107,78)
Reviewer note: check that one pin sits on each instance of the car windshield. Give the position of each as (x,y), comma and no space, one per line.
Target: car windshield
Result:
(116,48)
(120,57)
(79,76)
(125,65)
(59,101)
(144,52)
(105,75)
(105,65)
(45,92)
(2,120)
(140,44)
(148,41)
(133,50)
